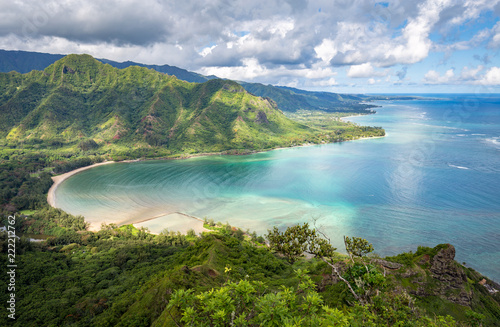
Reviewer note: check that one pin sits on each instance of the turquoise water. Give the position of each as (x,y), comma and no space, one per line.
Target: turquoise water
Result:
(435,178)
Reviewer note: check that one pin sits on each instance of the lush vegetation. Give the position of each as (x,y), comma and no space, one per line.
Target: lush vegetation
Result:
(122,276)
(81,105)
(288,99)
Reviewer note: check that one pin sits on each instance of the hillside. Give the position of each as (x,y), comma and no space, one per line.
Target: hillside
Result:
(126,277)
(24,62)
(292,99)
(287,99)
(80,99)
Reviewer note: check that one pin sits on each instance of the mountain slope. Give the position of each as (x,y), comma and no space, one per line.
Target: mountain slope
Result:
(24,62)
(291,99)
(79,98)
(287,99)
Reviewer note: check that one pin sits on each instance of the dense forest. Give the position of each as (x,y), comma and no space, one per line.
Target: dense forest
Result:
(121,276)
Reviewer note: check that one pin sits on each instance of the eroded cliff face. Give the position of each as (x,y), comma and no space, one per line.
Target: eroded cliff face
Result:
(451,276)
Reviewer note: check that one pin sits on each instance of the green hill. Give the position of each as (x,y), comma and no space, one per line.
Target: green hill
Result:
(24,62)
(292,99)
(78,98)
(126,277)
(287,99)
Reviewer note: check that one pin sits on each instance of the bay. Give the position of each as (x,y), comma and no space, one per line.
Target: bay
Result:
(435,178)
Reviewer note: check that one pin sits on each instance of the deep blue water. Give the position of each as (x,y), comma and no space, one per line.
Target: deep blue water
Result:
(435,178)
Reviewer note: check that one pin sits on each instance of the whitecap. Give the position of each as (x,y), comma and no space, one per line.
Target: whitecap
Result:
(459,167)
(495,141)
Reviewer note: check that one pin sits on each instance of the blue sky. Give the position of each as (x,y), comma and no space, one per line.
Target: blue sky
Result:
(354,46)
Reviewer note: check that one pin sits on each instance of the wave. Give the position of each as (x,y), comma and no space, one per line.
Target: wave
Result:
(495,141)
(445,127)
(459,167)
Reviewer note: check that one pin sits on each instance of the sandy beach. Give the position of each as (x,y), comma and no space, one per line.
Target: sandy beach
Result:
(51,197)
(176,221)
(173,221)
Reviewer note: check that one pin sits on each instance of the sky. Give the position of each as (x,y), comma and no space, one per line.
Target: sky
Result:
(348,46)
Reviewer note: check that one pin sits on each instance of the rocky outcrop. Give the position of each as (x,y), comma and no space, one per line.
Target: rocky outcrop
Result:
(262,118)
(387,264)
(451,276)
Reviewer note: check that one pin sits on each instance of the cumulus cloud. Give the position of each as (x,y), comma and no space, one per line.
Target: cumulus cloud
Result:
(492,77)
(470,76)
(273,41)
(433,77)
(364,70)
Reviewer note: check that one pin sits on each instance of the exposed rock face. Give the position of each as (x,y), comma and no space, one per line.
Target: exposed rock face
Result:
(451,276)
(444,267)
(262,118)
(387,264)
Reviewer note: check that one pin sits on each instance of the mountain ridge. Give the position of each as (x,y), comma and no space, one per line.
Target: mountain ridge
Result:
(287,98)
(79,98)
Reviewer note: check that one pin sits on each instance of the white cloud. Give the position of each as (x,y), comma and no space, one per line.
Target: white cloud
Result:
(248,71)
(364,70)
(492,77)
(495,39)
(433,77)
(326,50)
(326,82)
(206,51)
(470,74)
(472,9)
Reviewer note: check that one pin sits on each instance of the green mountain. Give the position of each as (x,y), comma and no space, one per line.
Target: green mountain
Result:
(126,277)
(287,99)
(24,62)
(78,98)
(292,99)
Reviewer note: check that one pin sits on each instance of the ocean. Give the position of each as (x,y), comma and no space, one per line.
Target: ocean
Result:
(435,178)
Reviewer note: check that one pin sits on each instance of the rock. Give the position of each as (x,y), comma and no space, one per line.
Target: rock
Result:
(444,267)
(261,118)
(387,264)
(451,275)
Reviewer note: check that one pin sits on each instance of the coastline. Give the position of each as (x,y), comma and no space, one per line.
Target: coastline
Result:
(352,116)
(95,226)
(51,196)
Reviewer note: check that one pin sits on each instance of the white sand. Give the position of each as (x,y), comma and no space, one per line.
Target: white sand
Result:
(174,221)
(51,197)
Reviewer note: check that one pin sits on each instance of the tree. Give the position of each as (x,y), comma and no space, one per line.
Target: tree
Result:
(297,240)
(247,303)
(357,247)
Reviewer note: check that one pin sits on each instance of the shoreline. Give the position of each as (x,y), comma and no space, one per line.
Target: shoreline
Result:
(58,179)
(95,226)
(356,115)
